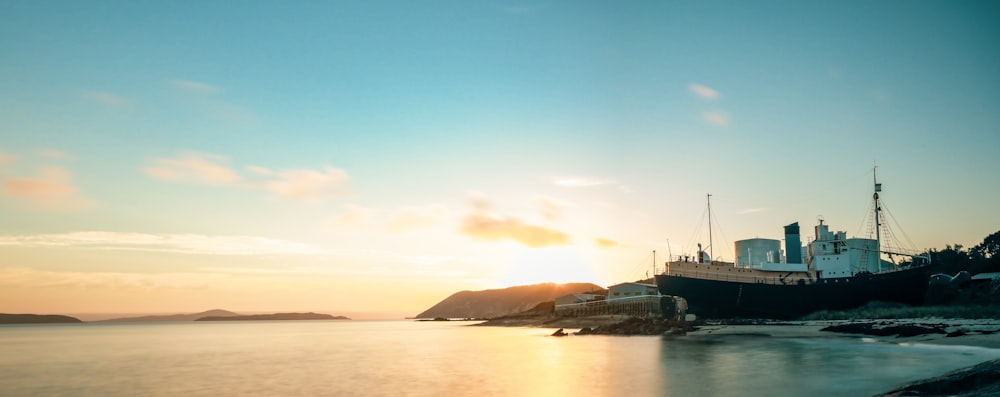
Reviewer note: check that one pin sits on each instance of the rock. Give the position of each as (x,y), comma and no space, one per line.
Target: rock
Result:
(979,380)
(906,331)
(953,334)
(886,329)
(559,332)
(676,331)
(641,326)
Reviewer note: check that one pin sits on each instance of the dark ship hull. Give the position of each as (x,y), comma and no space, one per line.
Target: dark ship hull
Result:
(729,299)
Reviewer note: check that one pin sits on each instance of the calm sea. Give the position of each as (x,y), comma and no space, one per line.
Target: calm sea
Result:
(406,358)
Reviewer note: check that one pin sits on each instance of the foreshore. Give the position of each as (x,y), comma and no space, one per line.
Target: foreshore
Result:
(969,332)
(979,380)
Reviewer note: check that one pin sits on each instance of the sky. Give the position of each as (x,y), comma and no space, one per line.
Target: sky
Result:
(377,156)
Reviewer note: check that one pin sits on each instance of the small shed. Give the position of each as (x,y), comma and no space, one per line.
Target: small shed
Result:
(625,290)
(570,299)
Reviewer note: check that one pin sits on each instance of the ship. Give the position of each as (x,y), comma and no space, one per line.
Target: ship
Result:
(831,272)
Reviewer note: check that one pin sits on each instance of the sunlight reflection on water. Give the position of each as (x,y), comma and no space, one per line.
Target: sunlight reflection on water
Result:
(382,358)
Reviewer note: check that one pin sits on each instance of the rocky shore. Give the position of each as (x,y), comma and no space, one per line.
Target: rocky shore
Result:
(979,380)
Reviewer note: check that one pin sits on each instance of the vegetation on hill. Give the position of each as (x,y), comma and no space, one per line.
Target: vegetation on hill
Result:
(275,316)
(36,319)
(983,258)
(174,317)
(501,302)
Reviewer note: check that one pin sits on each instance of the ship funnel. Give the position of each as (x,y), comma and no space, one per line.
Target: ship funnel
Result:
(793,245)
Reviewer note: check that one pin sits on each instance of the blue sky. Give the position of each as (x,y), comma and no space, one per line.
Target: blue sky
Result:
(212,148)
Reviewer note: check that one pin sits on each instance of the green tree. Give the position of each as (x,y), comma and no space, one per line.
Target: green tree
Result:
(990,246)
(986,255)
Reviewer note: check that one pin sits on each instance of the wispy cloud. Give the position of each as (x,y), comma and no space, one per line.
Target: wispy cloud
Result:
(194,167)
(552,208)
(580,181)
(302,183)
(51,190)
(19,277)
(201,97)
(353,215)
(411,217)
(487,227)
(107,99)
(703,92)
(483,224)
(194,86)
(716,117)
(174,243)
(605,243)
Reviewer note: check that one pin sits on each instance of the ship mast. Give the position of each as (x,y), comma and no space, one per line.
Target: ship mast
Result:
(878,224)
(711,247)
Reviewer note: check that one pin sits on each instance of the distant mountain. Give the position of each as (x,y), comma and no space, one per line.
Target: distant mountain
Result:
(36,319)
(275,316)
(501,302)
(173,317)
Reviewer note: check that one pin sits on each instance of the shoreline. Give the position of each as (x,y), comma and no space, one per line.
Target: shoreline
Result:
(955,332)
(980,379)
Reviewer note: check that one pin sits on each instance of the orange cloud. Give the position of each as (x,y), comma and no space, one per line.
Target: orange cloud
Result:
(193,168)
(353,215)
(486,227)
(552,208)
(483,224)
(605,243)
(304,184)
(51,190)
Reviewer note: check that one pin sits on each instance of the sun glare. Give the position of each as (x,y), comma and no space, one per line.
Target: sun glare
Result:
(557,265)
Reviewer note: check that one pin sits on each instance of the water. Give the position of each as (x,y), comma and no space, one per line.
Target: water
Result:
(405,358)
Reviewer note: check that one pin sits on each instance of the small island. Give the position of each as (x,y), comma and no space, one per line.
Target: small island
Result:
(36,319)
(274,316)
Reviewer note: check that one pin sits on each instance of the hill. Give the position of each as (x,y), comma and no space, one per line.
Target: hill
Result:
(173,317)
(501,302)
(275,316)
(36,319)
